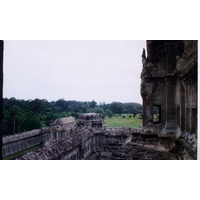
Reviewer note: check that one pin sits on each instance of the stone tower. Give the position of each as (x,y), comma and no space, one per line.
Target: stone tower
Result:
(169,89)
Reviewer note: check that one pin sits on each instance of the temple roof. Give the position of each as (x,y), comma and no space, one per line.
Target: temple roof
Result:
(64,120)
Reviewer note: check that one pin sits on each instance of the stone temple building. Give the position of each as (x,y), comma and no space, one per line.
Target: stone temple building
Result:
(169,92)
(93,120)
(169,89)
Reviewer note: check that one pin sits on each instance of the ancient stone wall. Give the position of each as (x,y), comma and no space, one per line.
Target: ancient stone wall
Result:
(169,92)
(112,144)
(81,145)
(19,142)
(169,89)
(61,128)
(93,120)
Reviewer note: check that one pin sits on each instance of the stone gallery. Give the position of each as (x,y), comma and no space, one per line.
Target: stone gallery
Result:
(169,92)
(169,89)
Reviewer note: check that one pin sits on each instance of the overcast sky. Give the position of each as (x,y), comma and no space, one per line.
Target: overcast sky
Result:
(104,71)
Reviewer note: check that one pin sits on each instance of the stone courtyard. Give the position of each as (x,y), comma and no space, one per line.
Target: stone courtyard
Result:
(88,141)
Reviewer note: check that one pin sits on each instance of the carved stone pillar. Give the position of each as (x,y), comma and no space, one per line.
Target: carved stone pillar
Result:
(171,127)
(51,135)
(147,92)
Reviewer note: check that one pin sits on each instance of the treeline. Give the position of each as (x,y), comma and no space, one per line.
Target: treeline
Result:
(22,115)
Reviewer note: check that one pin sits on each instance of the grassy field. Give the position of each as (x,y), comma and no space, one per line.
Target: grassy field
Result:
(127,122)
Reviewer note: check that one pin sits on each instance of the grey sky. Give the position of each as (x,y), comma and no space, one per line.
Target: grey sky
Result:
(104,71)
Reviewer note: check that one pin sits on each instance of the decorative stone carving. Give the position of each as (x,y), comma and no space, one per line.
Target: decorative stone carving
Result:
(172,65)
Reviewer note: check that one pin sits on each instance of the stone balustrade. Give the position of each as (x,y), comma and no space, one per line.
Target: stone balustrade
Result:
(19,142)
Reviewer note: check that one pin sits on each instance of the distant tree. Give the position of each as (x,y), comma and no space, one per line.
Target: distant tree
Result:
(38,105)
(32,121)
(75,114)
(116,107)
(15,110)
(20,118)
(39,113)
(99,110)
(93,104)
(85,106)
(104,106)
(109,113)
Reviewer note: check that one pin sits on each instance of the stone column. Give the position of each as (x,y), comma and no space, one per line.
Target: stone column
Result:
(51,135)
(171,127)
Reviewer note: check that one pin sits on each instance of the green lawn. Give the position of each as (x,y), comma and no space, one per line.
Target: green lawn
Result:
(119,121)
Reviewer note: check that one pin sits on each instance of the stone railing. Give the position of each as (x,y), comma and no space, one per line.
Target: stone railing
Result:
(82,144)
(20,142)
(76,146)
(93,143)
